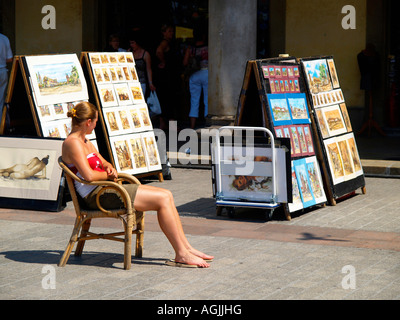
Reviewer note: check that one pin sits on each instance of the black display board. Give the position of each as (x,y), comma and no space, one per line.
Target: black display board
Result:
(333,129)
(273,95)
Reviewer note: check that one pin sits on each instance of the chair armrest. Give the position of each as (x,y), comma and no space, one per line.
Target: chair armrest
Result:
(128,178)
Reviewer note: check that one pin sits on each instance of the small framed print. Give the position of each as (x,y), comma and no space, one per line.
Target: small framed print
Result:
(144,114)
(52,129)
(303,179)
(104,58)
(107,95)
(133,73)
(123,94)
(98,75)
(265,71)
(153,157)
(279,109)
(60,110)
(297,203)
(112,57)
(138,153)
(106,74)
(332,71)
(298,108)
(129,58)
(294,137)
(122,153)
(127,73)
(120,74)
(136,91)
(44,113)
(136,119)
(94,59)
(334,120)
(113,74)
(121,57)
(346,117)
(316,182)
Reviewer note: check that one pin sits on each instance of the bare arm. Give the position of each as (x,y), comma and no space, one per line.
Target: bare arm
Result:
(147,59)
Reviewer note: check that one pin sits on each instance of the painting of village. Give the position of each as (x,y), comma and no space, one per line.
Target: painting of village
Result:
(317,75)
(56,78)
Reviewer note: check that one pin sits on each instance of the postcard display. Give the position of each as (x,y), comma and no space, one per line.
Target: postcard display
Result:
(124,112)
(285,112)
(334,131)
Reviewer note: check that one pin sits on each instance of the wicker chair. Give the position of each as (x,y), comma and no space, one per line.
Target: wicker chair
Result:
(84,216)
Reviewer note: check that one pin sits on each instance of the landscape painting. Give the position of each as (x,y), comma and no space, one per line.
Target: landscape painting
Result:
(317,75)
(56,78)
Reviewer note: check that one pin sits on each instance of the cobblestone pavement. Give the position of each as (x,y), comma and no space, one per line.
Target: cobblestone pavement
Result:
(348,251)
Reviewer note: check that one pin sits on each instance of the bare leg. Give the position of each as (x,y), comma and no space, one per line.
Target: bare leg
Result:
(150,198)
(183,237)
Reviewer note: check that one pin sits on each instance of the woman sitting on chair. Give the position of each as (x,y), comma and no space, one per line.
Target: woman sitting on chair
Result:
(83,158)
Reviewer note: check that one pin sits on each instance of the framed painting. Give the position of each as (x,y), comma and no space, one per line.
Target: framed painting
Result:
(153,157)
(246,174)
(56,78)
(118,121)
(29,171)
(297,203)
(334,120)
(107,95)
(303,180)
(316,183)
(279,109)
(122,93)
(346,117)
(138,153)
(136,91)
(317,75)
(298,108)
(122,154)
(332,71)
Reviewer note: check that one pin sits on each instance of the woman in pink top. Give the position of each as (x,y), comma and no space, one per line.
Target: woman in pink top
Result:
(75,151)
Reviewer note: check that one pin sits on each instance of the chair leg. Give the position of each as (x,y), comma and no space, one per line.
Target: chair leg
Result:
(81,243)
(74,236)
(139,236)
(128,242)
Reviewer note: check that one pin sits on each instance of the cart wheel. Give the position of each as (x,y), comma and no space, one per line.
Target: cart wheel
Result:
(219,211)
(268,214)
(231,212)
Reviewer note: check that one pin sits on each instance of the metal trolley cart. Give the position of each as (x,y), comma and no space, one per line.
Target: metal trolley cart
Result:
(255,174)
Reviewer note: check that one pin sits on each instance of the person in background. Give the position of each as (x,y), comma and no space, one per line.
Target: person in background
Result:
(168,75)
(6,56)
(114,44)
(142,62)
(198,81)
(82,157)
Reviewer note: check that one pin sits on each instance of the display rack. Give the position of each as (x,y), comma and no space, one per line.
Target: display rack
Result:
(123,113)
(276,86)
(342,167)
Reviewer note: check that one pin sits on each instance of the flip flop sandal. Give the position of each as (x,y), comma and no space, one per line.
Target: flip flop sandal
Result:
(173,263)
